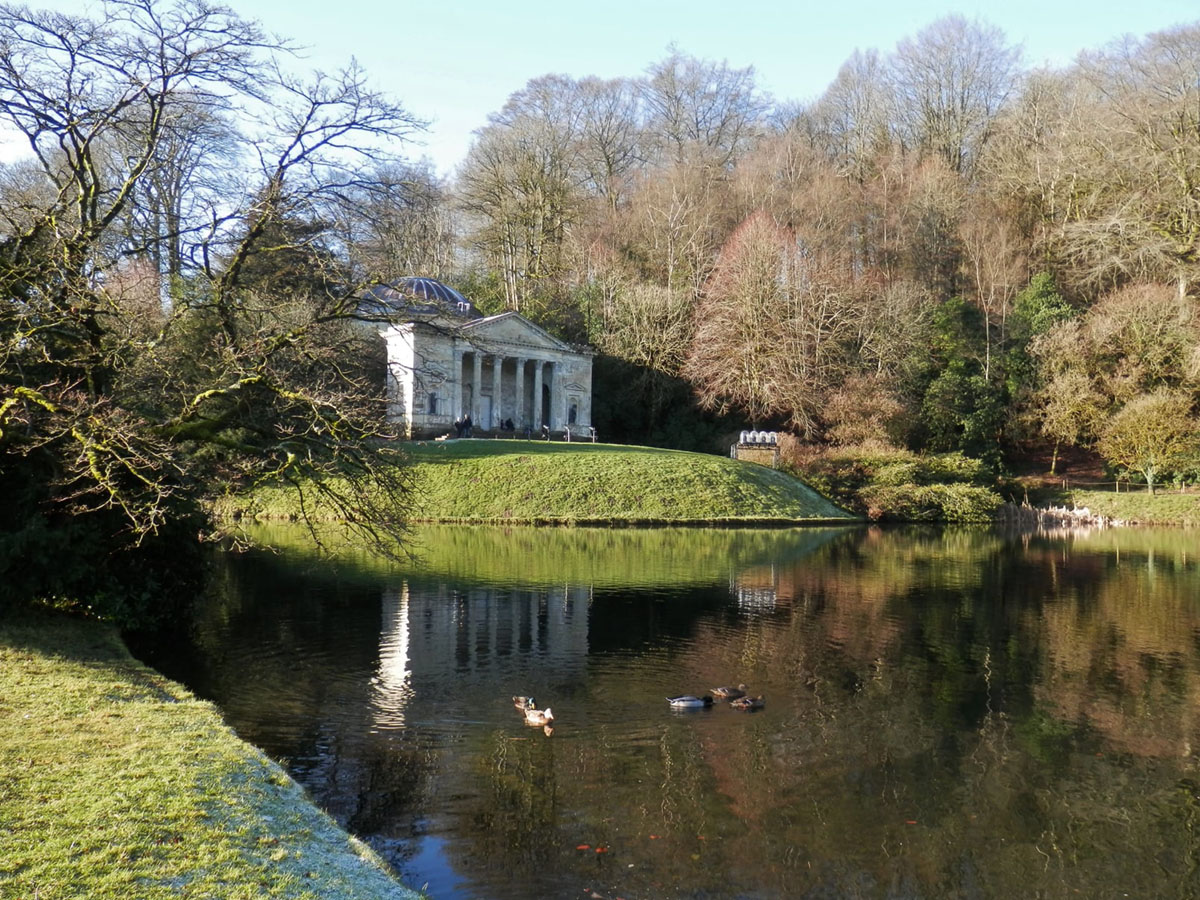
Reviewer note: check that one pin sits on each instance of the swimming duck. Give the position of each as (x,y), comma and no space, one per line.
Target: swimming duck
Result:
(750,703)
(524,703)
(729,693)
(539,716)
(687,701)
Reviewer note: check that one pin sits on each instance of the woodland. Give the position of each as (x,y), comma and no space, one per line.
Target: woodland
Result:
(947,250)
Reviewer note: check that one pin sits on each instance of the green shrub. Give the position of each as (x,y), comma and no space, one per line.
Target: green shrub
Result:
(899,485)
(931,502)
(951,468)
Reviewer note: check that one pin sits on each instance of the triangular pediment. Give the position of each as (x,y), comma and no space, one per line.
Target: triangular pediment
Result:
(512,329)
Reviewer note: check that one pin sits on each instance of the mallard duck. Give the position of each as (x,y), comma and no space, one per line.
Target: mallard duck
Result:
(539,716)
(687,701)
(729,693)
(524,703)
(750,703)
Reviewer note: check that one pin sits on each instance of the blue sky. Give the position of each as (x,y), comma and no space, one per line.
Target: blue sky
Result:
(455,61)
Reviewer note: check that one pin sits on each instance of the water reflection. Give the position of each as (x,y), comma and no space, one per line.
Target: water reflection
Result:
(949,713)
(470,639)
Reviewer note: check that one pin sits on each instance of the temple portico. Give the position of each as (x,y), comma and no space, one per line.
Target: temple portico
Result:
(494,389)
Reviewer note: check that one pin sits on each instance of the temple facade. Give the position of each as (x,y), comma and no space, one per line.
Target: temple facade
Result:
(446,362)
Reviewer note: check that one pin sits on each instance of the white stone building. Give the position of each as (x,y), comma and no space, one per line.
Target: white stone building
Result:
(446,362)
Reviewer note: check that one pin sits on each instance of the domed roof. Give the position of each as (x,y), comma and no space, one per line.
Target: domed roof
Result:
(419,296)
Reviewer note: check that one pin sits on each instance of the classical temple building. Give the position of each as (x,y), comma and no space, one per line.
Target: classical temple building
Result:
(445,362)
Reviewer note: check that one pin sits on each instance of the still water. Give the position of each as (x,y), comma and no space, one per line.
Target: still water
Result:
(949,713)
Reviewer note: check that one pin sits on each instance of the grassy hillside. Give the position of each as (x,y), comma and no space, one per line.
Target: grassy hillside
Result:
(542,482)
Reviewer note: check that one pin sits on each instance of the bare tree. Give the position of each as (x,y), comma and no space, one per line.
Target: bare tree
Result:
(1142,213)
(676,220)
(610,136)
(399,222)
(1035,156)
(949,82)
(648,326)
(188,176)
(995,262)
(854,114)
(521,182)
(772,329)
(702,112)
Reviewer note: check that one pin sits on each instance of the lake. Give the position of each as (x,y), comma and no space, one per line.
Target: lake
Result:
(948,712)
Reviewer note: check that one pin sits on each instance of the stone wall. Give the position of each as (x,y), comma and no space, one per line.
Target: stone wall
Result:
(767,455)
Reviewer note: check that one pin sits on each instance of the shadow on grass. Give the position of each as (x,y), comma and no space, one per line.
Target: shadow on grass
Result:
(92,645)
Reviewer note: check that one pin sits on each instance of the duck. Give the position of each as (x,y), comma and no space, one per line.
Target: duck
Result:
(524,703)
(687,701)
(729,693)
(750,703)
(539,716)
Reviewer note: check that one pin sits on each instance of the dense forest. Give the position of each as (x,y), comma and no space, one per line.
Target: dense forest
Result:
(945,251)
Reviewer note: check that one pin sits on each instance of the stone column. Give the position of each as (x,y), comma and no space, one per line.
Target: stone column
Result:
(519,394)
(554,419)
(497,408)
(456,356)
(536,417)
(476,393)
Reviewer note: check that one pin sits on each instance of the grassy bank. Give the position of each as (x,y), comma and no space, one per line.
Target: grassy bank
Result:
(117,783)
(1138,507)
(487,481)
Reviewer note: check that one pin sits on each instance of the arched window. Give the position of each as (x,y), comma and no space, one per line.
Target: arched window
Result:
(433,404)
(572,414)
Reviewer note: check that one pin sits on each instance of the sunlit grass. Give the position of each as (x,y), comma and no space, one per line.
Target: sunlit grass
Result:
(117,783)
(543,482)
(1165,507)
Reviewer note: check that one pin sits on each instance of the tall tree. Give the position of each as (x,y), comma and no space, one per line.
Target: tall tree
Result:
(702,112)
(1141,217)
(125,426)
(611,136)
(399,222)
(855,114)
(950,81)
(521,181)
(771,330)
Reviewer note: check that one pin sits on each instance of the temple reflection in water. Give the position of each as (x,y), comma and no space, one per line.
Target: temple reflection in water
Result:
(440,635)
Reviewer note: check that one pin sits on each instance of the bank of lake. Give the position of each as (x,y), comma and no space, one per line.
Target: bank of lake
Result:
(119,783)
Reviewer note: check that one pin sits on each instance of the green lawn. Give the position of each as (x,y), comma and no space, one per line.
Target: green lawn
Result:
(554,482)
(117,783)
(1137,506)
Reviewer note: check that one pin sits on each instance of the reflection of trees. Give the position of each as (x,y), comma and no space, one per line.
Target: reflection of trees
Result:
(1120,651)
(920,669)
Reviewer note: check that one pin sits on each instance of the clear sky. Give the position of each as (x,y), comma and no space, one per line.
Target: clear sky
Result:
(454,61)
